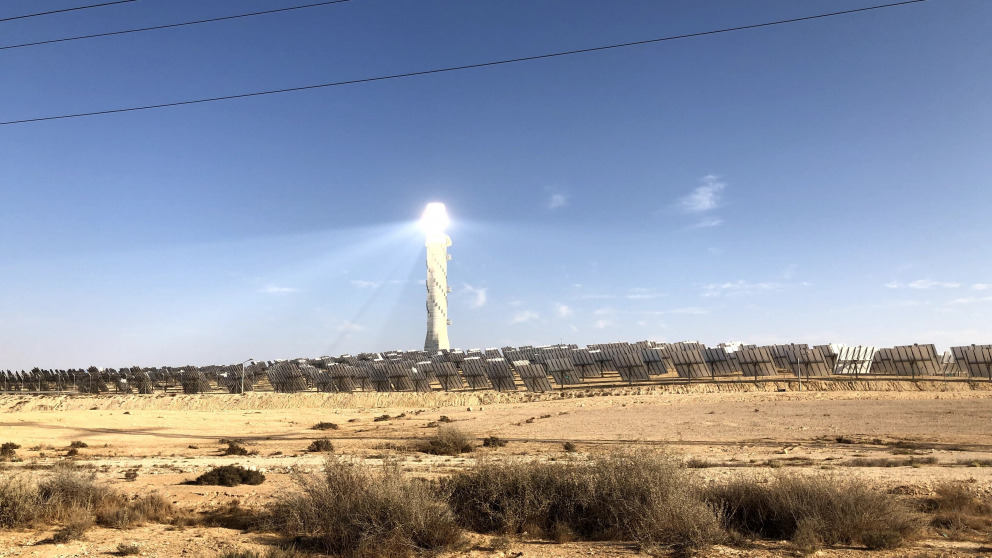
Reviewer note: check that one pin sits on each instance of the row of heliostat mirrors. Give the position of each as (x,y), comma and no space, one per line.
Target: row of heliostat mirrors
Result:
(513,368)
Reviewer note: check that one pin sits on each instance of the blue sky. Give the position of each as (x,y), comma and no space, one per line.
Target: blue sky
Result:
(824,181)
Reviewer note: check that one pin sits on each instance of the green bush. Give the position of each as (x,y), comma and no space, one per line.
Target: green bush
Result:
(229,475)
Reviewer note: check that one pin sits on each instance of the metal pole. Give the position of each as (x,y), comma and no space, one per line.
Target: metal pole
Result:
(799,372)
(251,360)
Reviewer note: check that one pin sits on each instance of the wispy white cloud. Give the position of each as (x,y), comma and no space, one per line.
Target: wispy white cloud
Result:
(921,284)
(692,310)
(563,310)
(272,289)
(603,324)
(981,286)
(640,293)
(605,311)
(598,296)
(350,327)
(970,300)
(739,288)
(478,295)
(790,271)
(362,284)
(705,197)
(706,223)
(557,200)
(523,317)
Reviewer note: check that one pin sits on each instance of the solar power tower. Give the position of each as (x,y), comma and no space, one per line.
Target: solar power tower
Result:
(434,221)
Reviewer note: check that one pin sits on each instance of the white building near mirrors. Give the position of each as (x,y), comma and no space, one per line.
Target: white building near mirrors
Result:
(434,221)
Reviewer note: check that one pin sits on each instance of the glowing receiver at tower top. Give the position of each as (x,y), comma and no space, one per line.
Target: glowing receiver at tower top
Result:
(434,221)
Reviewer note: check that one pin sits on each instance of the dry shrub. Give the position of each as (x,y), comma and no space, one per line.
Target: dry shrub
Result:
(124,514)
(270,553)
(68,495)
(808,509)
(8,451)
(449,440)
(355,510)
(234,447)
(20,502)
(885,462)
(494,442)
(78,444)
(958,510)
(324,426)
(645,497)
(321,445)
(128,549)
(77,522)
(69,490)
(569,447)
(229,516)
(229,475)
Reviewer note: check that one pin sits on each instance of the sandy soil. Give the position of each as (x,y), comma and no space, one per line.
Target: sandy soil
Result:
(762,432)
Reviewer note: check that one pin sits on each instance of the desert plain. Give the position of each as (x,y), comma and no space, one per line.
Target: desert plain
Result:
(905,438)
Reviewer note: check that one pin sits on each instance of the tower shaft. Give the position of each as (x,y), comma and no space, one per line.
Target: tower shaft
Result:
(437,293)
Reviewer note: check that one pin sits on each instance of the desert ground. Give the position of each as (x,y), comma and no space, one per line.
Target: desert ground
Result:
(907,438)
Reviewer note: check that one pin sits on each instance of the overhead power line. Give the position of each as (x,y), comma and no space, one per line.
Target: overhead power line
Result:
(458,68)
(66,10)
(171,25)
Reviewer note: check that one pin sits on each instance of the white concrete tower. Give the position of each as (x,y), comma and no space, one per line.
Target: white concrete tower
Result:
(434,221)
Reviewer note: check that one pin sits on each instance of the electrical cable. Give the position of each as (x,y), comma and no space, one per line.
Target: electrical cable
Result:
(455,68)
(66,10)
(170,25)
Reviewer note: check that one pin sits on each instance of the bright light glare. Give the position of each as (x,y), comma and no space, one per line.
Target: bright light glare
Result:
(435,219)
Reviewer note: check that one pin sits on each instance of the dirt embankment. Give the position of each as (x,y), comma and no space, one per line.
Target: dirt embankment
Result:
(856,389)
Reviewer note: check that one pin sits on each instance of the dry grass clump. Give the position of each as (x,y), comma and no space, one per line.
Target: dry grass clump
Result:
(355,510)
(76,501)
(20,503)
(815,511)
(958,511)
(645,497)
(324,426)
(322,445)
(229,475)
(448,440)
